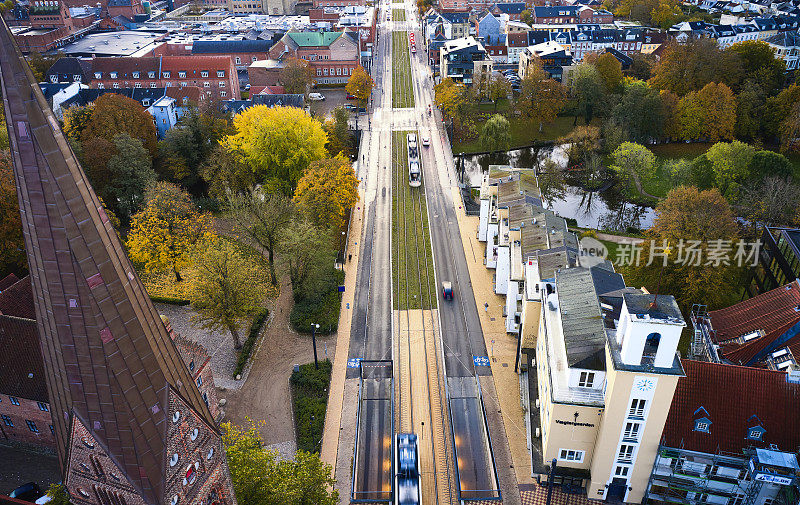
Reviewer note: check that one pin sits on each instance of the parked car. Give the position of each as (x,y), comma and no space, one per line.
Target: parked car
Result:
(350,97)
(426,141)
(349,106)
(316,97)
(27,492)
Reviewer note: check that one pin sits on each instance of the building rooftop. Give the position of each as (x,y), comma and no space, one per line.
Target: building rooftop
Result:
(644,306)
(581,319)
(17,300)
(762,398)
(118,43)
(230,46)
(314,39)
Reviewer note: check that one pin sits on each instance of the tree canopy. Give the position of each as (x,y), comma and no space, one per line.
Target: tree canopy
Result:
(114,114)
(327,190)
(496,134)
(360,85)
(540,98)
(277,143)
(296,76)
(129,173)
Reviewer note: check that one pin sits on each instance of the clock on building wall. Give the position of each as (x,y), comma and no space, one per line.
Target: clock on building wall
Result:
(644,384)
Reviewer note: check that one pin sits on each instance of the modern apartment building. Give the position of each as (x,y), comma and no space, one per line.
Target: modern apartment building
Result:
(463,59)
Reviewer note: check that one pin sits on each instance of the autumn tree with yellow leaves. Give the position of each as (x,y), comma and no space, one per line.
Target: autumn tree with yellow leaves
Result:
(326,191)
(167,229)
(277,143)
(360,85)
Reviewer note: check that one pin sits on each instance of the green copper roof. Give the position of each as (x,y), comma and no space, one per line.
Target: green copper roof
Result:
(314,39)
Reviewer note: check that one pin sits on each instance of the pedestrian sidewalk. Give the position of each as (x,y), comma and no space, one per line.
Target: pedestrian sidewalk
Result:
(501,346)
(333,415)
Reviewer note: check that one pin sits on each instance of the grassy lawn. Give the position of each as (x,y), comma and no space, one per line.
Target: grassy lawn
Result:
(522,134)
(412,258)
(309,400)
(661,183)
(398,14)
(402,89)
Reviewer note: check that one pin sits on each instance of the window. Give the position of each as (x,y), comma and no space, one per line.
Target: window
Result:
(221,84)
(7,420)
(254,59)
(137,85)
(194,434)
(205,398)
(571,455)
(181,75)
(210,454)
(736,500)
(220,73)
(621,471)
(191,366)
(176,416)
(173,460)
(76,77)
(625,453)
(319,71)
(703,425)
(324,71)
(113,75)
(146,102)
(339,71)
(116,85)
(637,408)
(32,426)
(223,93)
(52,430)
(98,75)
(43,406)
(13,400)
(166,75)
(151,75)
(136,75)
(199,381)
(204,73)
(631,432)
(153,85)
(586,380)
(238,61)
(206,84)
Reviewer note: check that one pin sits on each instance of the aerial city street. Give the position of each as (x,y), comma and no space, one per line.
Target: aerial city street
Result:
(439,252)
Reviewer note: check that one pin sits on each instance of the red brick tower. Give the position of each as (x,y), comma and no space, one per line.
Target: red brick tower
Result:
(130,424)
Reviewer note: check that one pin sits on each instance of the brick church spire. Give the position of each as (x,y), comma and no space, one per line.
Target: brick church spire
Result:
(130,424)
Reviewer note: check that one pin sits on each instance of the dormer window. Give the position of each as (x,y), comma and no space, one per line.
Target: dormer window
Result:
(151,75)
(176,416)
(166,75)
(182,75)
(98,75)
(756,433)
(145,102)
(220,73)
(76,78)
(194,434)
(173,460)
(191,366)
(113,75)
(54,78)
(703,425)
(136,75)
(204,74)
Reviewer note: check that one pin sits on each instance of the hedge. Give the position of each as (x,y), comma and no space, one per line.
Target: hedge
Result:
(247,347)
(310,399)
(170,301)
(318,304)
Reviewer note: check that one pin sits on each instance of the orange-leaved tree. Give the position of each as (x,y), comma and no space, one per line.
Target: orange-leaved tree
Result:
(326,191)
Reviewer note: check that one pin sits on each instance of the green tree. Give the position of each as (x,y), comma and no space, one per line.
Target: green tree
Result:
(229,290)
(340,139)
(187,145)
(296,76)
(526,17)
(718,105)
(496,134)
(641,66)
(58,494)
(261,478)
(633,162)
(498,89)
(778,108)
(588,89)
(277,143)
(640,113)
(758,62)
(750,104)
(306,251)
(262,217)
(114,114)
(360,85)
(730,163)
(452,99)
(12,244)
(76,119)
(166,231)
(610,70)
(327,190)
(225,171)
(540,98)
(790,130)
(130,172)
(768,164)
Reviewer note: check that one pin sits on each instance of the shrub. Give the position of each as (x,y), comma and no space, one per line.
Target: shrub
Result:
(169,300)
(318,303)
(310,399)
(247,347)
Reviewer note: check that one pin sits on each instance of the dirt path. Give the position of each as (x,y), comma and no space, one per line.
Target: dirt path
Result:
(265,395)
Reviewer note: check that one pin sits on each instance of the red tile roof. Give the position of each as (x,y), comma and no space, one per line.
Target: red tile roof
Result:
(192,93)
(768,311)
(21,365)
(125,66)
(732,395)
(196,63)
(743,354)
(17,300)
(8,280)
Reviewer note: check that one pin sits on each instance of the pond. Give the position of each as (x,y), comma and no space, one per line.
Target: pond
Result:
(602,208)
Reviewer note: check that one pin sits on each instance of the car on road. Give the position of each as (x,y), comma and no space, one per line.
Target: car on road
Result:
(316,97)
(426,141)
(447,290)
(350,96)
(27,492)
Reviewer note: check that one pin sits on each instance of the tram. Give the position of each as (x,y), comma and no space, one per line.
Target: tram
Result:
(414,171)
(406,463)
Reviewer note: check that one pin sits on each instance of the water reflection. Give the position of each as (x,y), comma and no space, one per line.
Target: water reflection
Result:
(562,192)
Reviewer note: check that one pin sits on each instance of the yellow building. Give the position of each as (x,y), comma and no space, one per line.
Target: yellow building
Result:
(600,364)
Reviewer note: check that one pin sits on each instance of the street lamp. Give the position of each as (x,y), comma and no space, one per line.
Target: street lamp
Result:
(314,328)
